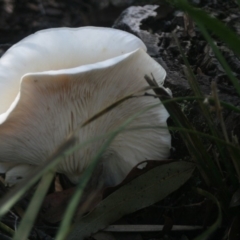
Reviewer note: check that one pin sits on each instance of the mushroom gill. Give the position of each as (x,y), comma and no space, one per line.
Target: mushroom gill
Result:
(53,81)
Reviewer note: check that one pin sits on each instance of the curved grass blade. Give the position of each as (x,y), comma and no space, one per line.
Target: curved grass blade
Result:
(17,192)
(213,24)
(195,146)
(6,229)
(208,117)
(66,222)
(211,100)
(220,58)
(213,228)
(204,21)
(35,204)
(185,130)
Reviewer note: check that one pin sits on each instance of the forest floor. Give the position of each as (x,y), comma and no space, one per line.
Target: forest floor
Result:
(20,18)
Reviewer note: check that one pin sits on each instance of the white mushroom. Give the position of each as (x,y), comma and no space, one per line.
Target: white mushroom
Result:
(17,173)
(55,79)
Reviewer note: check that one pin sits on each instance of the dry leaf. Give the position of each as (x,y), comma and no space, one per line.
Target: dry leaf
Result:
(143,191)
(55,203)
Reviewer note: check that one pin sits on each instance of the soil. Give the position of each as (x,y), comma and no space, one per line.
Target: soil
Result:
(155,25)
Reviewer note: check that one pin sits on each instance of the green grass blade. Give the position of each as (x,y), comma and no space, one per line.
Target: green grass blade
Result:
(195,146)
(67,219)
(213,24)
(228,106)
(220,58)
(192,131)
(32,210)
(232,154)
(17,192)
(204,21)
(209,100)
(6,229)
(66,222)
(196,89)
(216,225)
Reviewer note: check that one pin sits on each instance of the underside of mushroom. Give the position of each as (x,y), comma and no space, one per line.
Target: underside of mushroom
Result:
(45,105)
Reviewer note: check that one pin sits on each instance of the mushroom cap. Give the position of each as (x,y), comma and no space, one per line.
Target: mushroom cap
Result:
(60,48)
(53,81)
